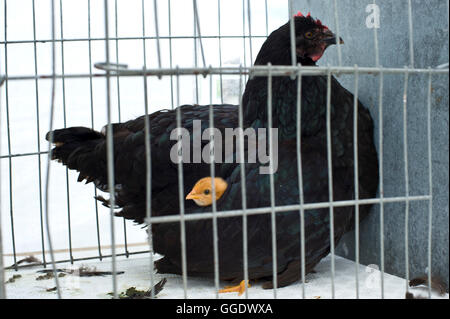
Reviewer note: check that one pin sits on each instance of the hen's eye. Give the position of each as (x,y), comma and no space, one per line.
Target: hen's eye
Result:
(308,35)
(206,192)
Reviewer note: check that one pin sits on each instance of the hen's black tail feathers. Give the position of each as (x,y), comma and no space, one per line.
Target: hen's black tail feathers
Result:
(84,150)
(79,148)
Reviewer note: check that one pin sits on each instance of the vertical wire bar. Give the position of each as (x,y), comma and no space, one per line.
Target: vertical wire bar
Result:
(272,188)
(405,160)
(2,267)
(195,55)
(181,193)
(336,19)
(380,96)
(170,49)
(199,33)
(38,137)
(158,47)
(292,34)
(50,142)
(405,142)
(300,177)
(380,173)
(330,180)
(430,185)
(116,27)
(213,190)
(91,92)
(243,186)
(110,153)
(249,14)
(8,131)
(243,35)
(267,17)
(356,177)
(220,50)
(377,52)
(411,44)
(65,125)
(197,37)
(148,188)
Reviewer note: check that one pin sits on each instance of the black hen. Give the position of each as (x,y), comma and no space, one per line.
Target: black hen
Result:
(84,150)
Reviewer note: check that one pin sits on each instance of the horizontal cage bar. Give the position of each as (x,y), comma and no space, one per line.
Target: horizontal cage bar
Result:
(277,209)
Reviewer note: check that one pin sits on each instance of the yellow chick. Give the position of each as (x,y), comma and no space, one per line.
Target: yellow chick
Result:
(201,194)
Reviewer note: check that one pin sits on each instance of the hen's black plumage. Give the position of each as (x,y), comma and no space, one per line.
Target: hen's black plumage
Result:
(84,150)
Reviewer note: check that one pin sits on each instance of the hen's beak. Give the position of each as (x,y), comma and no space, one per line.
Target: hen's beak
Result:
(331,38)
(192,195)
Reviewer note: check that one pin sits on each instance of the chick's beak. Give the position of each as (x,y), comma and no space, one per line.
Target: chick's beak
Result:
(192,195)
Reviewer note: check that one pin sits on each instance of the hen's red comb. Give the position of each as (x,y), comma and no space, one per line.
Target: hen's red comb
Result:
(318,22)
(299,14)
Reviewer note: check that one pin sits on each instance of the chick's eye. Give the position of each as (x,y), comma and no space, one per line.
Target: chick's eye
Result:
(206,192)
(308,35)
